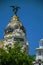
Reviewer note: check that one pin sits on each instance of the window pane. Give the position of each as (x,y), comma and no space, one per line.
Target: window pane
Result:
(21,39)
(39,53)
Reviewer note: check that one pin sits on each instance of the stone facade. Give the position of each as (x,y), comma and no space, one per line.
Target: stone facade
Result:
(14,31)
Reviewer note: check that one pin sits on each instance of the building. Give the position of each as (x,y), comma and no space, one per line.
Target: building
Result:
(39,54)
(15,31)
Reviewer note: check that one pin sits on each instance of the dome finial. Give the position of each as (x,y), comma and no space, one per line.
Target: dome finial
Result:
(15,9)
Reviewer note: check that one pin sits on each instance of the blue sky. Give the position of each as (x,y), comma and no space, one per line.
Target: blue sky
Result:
(31,15)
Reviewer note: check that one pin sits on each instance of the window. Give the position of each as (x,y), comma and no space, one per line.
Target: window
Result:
(41,44)
(39,53)
(21,39)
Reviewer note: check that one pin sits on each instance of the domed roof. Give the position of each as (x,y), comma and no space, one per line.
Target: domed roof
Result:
(41,41)
(14,24)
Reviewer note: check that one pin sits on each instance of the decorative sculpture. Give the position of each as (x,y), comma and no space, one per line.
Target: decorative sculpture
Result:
(15,9)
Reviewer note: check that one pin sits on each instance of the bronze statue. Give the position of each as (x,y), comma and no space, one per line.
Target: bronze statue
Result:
(15,9)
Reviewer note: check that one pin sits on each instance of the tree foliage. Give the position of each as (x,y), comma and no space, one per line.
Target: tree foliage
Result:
(14,56)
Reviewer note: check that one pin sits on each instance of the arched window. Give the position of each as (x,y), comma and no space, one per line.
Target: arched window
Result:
(39,62)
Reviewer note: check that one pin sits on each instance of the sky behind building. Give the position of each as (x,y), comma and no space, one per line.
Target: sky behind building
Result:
(30,14)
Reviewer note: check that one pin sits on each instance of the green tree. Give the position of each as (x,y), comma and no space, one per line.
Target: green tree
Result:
(14,56)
